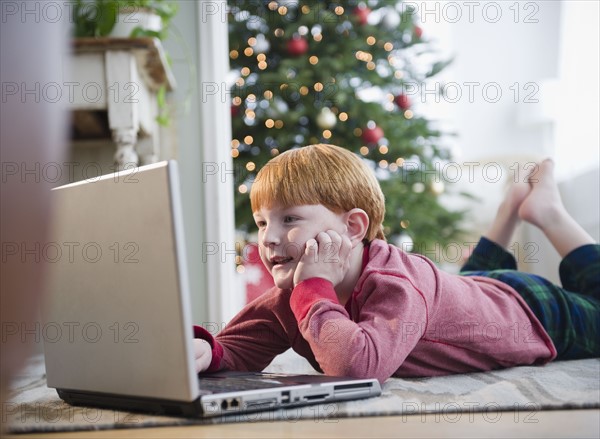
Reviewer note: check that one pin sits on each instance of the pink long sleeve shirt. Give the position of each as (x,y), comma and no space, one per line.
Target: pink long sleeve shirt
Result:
(405,318)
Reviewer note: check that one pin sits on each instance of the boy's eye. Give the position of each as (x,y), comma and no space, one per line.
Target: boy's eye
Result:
(289,219)
(260,224)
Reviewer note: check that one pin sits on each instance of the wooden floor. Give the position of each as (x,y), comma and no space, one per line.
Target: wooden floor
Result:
(541,424)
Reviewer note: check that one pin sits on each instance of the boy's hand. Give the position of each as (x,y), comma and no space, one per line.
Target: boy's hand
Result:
(326,256)
(202,354)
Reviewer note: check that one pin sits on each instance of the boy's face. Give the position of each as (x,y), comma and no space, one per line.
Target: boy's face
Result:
(282,236)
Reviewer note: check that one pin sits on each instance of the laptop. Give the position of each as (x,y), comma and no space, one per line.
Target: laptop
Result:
(117,324)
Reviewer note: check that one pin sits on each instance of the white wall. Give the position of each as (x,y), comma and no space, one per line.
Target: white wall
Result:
(578,111)
(551,50)
(488,53)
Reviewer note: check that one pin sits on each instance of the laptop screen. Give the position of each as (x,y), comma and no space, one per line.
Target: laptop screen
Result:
(118,314)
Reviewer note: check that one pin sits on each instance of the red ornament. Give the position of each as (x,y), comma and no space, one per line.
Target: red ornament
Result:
(297,46)
(235,110)
(362,14)
(372,135)
(402,101)
(418,32)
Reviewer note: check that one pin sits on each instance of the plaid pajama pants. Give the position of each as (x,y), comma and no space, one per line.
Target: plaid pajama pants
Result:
(571,313)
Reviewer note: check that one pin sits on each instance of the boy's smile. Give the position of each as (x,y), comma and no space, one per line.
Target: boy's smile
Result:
(283,233)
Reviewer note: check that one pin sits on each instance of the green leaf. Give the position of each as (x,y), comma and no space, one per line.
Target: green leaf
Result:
(161,96)
(107,17)
(138,32)
(438,67)
(163,120)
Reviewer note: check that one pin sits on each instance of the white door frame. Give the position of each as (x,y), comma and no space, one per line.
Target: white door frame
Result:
(225,295)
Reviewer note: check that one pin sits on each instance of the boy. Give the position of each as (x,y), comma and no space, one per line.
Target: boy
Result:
(353,305)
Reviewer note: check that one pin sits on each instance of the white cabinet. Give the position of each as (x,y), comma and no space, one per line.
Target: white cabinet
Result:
(123,77)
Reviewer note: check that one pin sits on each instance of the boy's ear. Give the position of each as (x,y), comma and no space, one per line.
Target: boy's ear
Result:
(357,222)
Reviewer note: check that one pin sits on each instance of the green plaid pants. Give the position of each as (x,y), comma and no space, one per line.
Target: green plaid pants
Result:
(571,313)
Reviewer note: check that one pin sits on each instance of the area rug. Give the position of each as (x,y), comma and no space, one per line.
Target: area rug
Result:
(523,391)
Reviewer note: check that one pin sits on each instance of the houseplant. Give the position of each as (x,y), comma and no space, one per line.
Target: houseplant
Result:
(127,19)
(99,18)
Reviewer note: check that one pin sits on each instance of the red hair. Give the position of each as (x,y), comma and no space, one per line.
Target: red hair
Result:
(321,174)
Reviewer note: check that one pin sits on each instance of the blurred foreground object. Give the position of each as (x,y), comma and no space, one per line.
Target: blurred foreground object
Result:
(32,140)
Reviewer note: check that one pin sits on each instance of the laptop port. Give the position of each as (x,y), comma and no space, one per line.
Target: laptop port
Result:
(261,404)
(315,397)
(285,397)
(230,404)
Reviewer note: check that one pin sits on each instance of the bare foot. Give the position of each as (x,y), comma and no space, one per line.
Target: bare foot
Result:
(543,204)
(544,208)
(507,216)
(515,195)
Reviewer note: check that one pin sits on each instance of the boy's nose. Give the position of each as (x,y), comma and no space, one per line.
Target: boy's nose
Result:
(271,236)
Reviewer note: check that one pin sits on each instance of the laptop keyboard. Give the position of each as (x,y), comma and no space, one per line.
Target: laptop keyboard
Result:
(233,384)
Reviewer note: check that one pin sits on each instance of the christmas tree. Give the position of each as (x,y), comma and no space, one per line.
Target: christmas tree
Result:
(338,72)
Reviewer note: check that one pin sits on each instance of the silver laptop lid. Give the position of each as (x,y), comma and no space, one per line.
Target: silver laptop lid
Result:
(118,317)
